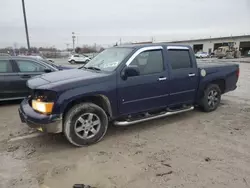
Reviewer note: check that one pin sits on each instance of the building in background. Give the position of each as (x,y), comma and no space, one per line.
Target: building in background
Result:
(211,44)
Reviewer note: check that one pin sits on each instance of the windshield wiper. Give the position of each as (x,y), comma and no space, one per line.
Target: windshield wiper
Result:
(93,68)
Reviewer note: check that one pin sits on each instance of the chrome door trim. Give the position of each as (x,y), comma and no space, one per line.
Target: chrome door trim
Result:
(142,50)
(177,48)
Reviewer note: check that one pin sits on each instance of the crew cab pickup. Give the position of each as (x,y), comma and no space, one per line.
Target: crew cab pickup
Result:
(124,85)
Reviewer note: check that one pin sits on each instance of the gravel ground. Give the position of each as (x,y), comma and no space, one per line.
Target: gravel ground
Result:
(193,149)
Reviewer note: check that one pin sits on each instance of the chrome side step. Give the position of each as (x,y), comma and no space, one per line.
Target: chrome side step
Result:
(126,123)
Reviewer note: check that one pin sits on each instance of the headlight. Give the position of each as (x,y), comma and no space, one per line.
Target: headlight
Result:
(43,107)
(44,95)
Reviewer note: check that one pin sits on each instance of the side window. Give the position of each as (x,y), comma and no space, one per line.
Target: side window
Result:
(179,59)
(76,56)
(29,66)
(149,62)
(5,66)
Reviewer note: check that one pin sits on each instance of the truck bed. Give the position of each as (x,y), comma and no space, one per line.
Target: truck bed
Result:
(209,64)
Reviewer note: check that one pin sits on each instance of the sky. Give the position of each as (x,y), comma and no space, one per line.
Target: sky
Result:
(104,22)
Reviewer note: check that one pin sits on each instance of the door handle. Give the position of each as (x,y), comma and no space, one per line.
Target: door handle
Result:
(191,74)
(25,76)
(162,78)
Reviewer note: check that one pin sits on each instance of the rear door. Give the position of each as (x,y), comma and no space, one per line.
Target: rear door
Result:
(184,76)
(27,69)
(8,76)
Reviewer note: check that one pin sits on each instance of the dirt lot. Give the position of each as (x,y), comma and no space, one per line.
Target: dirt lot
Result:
(193,149)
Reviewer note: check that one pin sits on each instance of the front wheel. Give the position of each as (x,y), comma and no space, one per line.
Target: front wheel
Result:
(85,124)
(211,98)
(72,62)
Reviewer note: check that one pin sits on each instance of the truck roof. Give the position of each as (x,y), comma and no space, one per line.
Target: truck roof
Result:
(151,44)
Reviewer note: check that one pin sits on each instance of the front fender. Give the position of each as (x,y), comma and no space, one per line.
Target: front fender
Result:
(105,90)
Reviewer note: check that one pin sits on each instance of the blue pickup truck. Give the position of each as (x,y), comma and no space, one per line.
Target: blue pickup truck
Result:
(124,85)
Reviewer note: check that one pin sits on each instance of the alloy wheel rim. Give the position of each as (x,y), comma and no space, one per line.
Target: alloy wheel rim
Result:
(87,126)
(213,98)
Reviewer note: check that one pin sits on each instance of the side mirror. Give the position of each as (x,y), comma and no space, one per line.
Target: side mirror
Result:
(47,70)
(130,71)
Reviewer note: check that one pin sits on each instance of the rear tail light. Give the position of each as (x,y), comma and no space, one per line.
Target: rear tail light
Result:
(238,72)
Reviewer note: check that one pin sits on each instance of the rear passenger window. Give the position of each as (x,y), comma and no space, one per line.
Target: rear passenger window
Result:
(5,66)
(179,59)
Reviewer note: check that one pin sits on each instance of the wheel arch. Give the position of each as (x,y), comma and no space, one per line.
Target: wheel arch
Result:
(98,99)
(220,82)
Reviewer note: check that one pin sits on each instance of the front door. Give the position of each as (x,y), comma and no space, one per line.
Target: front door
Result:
(26,70)
(184,78)
(147,91)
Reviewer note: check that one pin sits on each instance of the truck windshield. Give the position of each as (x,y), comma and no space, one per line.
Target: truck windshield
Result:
(109,59)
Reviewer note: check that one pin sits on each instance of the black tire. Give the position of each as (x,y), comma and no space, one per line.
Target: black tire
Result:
(211,99)
(72,62)
(72,119)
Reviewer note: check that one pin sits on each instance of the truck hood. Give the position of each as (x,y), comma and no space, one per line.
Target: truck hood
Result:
(71,78)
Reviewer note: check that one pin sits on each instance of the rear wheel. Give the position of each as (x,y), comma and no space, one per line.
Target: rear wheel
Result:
(211,98)
(85,124)
(72,62)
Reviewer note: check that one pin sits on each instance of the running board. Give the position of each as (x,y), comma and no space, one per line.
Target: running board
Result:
(126,123)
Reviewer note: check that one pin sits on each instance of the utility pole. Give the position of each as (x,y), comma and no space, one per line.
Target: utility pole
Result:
(73,40)
(26,26)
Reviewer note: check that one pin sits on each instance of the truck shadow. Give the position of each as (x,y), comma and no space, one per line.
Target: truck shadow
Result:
(51,143)
(58,142)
